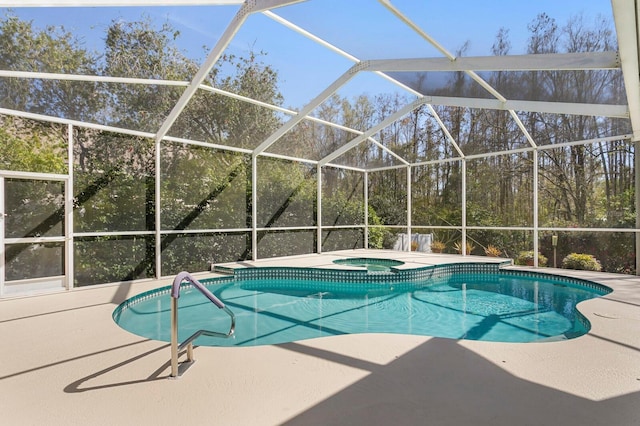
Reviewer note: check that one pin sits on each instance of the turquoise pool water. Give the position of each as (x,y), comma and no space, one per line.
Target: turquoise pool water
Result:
(498,306)
(370,264)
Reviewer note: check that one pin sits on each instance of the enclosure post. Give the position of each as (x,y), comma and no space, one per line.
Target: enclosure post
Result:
(2,233)
(319,208)
(535,209)
(409,171)
(636,161)
(68,213)
(254,207)
(158,235)
(463,240)
(366,209)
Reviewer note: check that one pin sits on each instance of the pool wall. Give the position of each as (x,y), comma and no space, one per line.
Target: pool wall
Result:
(402,275)
(368,261)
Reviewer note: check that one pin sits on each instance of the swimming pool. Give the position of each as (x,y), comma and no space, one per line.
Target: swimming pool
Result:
(459,301)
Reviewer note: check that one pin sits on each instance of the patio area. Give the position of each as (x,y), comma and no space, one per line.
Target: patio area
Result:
(66,362)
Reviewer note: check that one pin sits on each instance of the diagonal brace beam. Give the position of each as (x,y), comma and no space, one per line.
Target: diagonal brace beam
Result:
(326,93)
(249,7)
(373,130)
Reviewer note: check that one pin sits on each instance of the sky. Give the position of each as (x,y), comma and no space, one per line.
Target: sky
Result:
(362,28)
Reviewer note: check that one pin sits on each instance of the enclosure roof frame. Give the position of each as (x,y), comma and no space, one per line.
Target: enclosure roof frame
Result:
(626,18)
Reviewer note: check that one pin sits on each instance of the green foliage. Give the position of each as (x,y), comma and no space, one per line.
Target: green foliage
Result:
(468,247)
(25,146)
(342,239)
(145,50)
(377,234)
(208,188)
(492,251)
(286,193)
(110,259)
(387,195)
(585,262)
(614,251)
(229,121)
(510,242)
(195,252)
(54,50)
(438,246)
(113,182)
(527,258)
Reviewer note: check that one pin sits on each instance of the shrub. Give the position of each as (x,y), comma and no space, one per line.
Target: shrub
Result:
(492,251)
(585,262)
(376,233)
(458,247)
(526,258)
(438,246)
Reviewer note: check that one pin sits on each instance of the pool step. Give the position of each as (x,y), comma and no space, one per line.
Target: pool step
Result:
(223,270)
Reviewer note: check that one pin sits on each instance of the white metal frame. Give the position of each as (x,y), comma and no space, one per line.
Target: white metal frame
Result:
(66,238)
(627,18)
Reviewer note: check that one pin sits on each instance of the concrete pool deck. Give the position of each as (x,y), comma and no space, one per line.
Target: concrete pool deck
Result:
(65,362)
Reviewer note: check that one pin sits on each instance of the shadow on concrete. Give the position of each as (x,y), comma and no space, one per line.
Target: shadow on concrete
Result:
(442,383)
(53,312)
(65,361)
(122,292)
(74,387)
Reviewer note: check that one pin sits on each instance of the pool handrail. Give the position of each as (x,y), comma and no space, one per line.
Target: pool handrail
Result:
(188,343)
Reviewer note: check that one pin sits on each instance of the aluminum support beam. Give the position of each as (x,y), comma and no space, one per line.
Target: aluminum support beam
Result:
(409,206)
(636,163)
(536,231)
(204,70)
(366,209)
(346,55)
(388,151)
(152,82)
(118,3)
(326,93)
(523,129)
(373,130)
(444,128)
(68,213)
(627,19)
(463,207)
(254,207)
(539,62)
(90,78)
(84,125)
(247,9)
(2,233)
(319,208)
(158,207)
(598,110)
(310,36)
(448,55)
(265,5)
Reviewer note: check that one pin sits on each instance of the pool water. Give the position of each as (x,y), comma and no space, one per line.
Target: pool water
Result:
(495,307)
(370,264)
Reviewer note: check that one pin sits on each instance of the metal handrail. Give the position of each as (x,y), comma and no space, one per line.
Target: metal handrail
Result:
(188,343)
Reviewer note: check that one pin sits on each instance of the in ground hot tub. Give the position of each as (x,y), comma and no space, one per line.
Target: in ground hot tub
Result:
(370,264)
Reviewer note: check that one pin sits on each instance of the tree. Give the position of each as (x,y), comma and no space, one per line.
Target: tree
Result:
(137,49)
(54,50)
